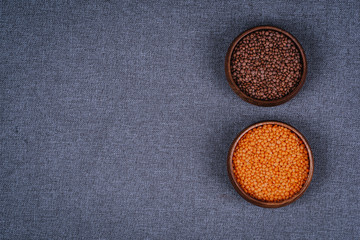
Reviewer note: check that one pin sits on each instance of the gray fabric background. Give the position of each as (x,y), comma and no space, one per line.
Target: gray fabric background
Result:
(116,119)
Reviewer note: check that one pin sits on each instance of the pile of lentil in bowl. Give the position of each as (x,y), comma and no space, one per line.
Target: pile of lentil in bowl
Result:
(266,65)
(271,163)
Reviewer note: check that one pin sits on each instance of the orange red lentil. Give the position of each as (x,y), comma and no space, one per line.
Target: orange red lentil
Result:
(271,163)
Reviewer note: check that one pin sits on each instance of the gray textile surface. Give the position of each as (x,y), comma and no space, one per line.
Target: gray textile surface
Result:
(116,119)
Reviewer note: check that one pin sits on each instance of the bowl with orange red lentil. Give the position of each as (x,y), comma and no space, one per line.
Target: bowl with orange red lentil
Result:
(270,164)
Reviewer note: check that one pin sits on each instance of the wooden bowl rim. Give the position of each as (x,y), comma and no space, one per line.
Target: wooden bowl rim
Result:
(241,94)
(246,196)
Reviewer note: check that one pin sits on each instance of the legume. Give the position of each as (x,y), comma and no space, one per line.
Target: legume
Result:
(271,163)
(266,65)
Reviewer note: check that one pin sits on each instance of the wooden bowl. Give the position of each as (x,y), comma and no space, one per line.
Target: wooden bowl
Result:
(265,103)
(249,198)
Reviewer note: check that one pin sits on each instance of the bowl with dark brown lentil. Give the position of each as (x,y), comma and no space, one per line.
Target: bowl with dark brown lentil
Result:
(270,164)
(265,66)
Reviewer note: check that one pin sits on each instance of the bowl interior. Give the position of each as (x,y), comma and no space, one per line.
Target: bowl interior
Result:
(241,94)
(255,201)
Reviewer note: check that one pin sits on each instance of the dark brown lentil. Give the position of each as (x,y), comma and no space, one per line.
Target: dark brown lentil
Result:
(266,65)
